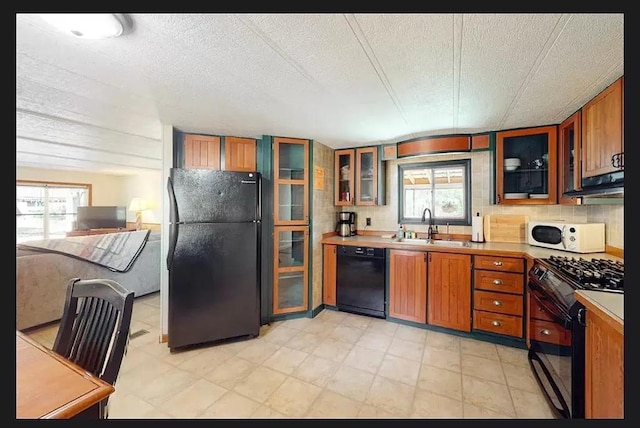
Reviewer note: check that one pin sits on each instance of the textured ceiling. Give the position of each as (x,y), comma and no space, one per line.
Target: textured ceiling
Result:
(343,80)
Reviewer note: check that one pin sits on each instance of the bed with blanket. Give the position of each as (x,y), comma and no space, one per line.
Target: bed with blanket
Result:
(44,267)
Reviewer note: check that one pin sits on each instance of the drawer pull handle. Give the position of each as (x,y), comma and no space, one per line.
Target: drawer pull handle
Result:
(495,323)
(545,332)
(540,309)
(497,303)
(497,263)
(497,282)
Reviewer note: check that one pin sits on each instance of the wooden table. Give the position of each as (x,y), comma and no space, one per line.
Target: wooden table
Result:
(49,386)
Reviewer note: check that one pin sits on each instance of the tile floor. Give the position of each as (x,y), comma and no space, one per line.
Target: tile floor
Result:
(336,365)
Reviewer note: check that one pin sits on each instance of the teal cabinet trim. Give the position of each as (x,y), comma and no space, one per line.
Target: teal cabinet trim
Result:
(264,160)
(310,241)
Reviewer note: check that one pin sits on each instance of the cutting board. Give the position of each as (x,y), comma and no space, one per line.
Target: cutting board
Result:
(505,228)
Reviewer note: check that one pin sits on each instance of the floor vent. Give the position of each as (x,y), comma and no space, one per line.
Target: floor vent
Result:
(138,333)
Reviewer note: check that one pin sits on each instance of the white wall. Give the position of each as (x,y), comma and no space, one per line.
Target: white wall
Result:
(148,186)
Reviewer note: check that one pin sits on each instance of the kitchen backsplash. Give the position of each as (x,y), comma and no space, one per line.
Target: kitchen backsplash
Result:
(385,218)
(324,215)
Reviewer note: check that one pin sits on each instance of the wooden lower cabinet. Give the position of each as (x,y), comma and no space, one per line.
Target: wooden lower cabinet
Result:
(449,291)
(408,285)
(330,261)
(290,269)
(498,295)
(604,367)
(494,322)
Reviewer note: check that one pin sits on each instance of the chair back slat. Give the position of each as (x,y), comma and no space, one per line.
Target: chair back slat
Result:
(94,328)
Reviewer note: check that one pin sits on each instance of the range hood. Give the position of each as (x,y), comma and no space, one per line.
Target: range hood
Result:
(607,185)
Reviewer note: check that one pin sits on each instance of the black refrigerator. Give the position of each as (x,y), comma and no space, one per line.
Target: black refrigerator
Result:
(214,256)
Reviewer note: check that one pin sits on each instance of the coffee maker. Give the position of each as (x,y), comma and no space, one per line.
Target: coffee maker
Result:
(346,223)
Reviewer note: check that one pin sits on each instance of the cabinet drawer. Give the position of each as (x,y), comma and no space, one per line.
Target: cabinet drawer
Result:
(546,331)
(497,302)
(505,264)
(510,325)
(537,311)
(498,281)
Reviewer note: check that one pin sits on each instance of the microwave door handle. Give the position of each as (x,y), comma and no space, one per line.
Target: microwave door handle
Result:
(563,236)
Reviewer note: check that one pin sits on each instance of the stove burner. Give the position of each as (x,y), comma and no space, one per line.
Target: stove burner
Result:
(594,274)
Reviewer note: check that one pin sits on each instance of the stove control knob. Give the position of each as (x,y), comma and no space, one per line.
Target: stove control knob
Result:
(572,238)
(572,229)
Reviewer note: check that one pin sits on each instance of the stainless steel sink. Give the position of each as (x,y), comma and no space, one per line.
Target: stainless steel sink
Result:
(437,243)
(421,241)
(444,243)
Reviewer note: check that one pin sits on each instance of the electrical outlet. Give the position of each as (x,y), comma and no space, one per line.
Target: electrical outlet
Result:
(368,221)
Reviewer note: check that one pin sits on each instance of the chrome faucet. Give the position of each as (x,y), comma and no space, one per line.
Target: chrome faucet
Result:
(424,218)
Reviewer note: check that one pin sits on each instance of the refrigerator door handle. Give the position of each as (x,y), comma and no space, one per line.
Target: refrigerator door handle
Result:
(174,218)
(173,206)
(173,239)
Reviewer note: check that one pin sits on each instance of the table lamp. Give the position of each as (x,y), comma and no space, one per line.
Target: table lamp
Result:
(138,205)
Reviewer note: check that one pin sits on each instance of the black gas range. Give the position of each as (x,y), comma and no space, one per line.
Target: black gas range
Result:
(556,324)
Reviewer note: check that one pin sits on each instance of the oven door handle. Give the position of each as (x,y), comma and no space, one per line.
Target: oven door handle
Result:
(564,412)
(563,235)
(564,321)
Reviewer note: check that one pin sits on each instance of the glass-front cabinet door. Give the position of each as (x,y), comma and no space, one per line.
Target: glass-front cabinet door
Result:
(526,166)
(290,282)
(569,159)
(367,176)
(291,181)
(344,177)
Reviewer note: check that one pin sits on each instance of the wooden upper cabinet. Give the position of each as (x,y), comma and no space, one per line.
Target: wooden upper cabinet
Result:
(359,176)
(367,172)
(425,146)
(532,178)
(449,291)
(344,177)
(569,178)
(202,151)
(408,285)
(603,130)
(290,181)
(480,142)
(239,154)
(329,265)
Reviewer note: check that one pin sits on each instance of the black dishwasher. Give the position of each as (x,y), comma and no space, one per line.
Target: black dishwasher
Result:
(360,280)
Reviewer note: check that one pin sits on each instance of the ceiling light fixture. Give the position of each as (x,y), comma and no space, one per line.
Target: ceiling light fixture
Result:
(90,25)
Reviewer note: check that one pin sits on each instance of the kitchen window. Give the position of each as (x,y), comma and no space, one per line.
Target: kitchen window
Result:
(48,210)
(444,187)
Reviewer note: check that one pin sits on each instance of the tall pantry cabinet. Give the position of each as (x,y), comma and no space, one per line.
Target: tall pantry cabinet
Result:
(290,292)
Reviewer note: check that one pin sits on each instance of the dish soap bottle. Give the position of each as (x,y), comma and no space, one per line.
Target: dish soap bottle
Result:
(400,233)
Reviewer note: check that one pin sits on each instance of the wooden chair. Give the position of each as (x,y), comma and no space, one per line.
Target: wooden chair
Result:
(94,330)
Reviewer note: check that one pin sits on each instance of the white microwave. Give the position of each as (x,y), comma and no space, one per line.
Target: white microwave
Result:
(565,236)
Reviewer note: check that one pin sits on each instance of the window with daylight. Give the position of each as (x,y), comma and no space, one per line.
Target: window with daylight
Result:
(444,187)
(48,210)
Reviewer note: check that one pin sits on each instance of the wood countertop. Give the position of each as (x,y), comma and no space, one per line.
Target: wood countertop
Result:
(49,386)
(485,248)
